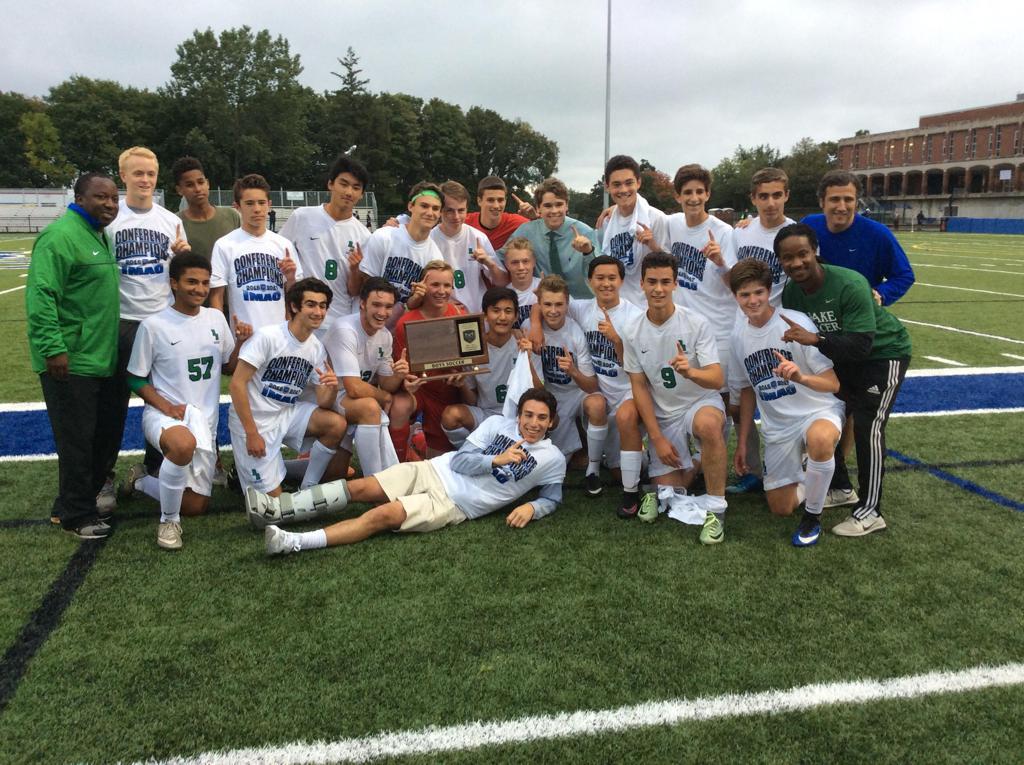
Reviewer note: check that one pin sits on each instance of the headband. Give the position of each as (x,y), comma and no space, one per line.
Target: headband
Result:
(425,193)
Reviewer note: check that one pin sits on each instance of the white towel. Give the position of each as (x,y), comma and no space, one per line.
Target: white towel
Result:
(617,224)
(196,422)
(520,380)
(679,506)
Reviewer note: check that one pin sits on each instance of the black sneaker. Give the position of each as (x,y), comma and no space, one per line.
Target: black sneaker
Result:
(630,505)
(96,529)
(592,484)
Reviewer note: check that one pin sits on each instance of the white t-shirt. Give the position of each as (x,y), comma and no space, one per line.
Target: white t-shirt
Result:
(701,287)
(618,239)
(182,356)
(784,405)
(355,354)
(611,377)
(469,275)
(391,253)
(650,349)
(249,267)
(527,298)
(571,338)
(478,495)
(284,366)
(491,387)
(142,245)
(322,249)
(756,241)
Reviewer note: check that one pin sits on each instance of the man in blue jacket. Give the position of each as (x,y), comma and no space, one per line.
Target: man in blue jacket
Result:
(852,241)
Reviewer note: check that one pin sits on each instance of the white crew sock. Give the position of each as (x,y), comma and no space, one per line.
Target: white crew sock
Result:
(173,480)
(457,437)
(319,458)
(309,540)
(149,485)
(596,436)
(630,466)
(816,481)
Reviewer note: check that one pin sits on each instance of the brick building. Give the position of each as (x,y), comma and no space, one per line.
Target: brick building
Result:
(974,157)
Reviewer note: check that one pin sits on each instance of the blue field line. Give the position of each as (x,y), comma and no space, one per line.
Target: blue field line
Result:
(964,484)
(28,432)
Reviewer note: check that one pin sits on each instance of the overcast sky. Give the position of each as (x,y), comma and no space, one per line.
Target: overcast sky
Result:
(690,80)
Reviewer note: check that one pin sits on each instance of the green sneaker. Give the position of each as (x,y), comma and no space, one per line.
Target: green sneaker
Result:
(713,532)
(648,508)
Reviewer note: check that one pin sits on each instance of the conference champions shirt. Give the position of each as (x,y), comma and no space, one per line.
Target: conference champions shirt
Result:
(619,240)
(652,347)
(322,247)
(284,366)
(611,377)
(570,337)
(526,299)
(478,495)
(700,286)
(355,354)
(468,275)
(757,242)
(784,405)
(142,247)
(182,356)
(249,266)
(392,254)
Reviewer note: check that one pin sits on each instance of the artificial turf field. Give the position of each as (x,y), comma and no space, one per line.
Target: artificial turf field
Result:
(217,647)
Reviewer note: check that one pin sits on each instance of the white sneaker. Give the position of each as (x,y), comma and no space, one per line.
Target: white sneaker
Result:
(168,535)
(857,527)
(277,541)
(840,497)
(106,500)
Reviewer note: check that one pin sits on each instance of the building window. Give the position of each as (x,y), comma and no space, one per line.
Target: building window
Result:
(928,141)
(856,156)
(999,140)
(1016,140)
(990,140)
(974,143)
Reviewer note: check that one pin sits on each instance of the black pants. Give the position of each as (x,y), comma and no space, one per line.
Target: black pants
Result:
(85,414)
(869,390)
(125,340)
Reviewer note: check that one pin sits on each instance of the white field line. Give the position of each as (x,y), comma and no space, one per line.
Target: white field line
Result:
(1012,356)
(950,412)
(941,360)
(523,730)
(966,371)
(13,289)
(925,252)
(967,268)
(968,289)
(963,331)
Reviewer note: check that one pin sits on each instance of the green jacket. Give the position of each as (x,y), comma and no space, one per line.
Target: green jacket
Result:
(71,298)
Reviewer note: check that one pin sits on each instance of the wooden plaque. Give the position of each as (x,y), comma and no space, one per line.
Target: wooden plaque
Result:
(448,345)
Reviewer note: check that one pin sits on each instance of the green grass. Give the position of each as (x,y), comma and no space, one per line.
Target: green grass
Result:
(218,646)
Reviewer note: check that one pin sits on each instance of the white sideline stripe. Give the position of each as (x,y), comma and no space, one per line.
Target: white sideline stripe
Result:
(39,406)
(929,253)
(968,268)
(967,289)
(13,289)
(1012,356)
(945,361)
(955,412)
(963,331)
(468,736)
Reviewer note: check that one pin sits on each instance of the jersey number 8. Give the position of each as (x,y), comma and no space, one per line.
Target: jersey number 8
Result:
(331,270)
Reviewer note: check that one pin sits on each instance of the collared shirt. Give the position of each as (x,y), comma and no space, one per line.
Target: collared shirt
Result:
(573,263)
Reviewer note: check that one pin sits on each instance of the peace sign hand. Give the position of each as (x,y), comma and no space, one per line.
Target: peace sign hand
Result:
(327,376)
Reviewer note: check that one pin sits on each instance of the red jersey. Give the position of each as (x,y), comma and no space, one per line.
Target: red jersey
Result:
(500,234)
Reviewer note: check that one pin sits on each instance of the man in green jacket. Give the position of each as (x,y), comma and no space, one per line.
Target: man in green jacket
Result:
(71,302)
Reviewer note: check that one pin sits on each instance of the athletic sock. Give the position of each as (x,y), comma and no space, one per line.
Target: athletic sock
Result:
(754,453)
(149,485)
(319,458)
(308,540)
(630,467)
(173,480)
(816,482)
(400,441)
(457,437)
(596,436)
(367,444)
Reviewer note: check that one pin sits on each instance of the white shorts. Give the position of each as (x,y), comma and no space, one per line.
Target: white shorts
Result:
(784,460)
(678,431)
(417,486)
(724,357)
(566,436)
(266,473)
(200,470)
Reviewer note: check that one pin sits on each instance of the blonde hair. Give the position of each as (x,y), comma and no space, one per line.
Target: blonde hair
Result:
(135,151)
(437,265)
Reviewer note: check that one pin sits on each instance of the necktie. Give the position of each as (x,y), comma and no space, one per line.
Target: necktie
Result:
(553,256)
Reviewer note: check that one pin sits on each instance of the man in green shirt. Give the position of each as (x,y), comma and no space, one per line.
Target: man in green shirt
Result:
(204,223)
(869,347)
(72,308)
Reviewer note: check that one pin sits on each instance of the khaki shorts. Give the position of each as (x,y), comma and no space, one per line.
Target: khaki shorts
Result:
(427,505)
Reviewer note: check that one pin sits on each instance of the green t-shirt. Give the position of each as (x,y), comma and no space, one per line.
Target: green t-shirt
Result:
(845,304)
(202,234)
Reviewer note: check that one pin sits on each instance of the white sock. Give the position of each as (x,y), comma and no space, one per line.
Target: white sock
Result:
(319,457)
(308,540)
(816,482)
(630,466)
(367,443)
(457,437)
(173,480)
(596,436)
(149,485)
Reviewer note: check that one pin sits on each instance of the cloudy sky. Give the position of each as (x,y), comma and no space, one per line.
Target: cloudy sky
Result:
(690,80)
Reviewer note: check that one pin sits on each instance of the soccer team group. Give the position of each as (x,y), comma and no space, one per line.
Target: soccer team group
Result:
(634,346)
